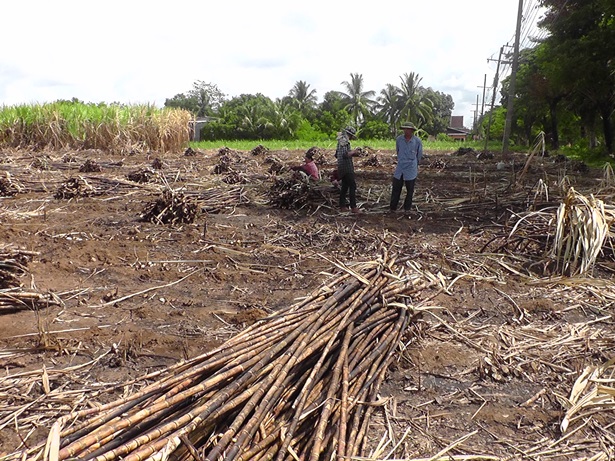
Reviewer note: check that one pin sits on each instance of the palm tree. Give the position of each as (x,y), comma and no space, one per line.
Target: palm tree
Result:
(253,117)
(416,105)
(303,98)
(284,118)
(390,105)
(358,102)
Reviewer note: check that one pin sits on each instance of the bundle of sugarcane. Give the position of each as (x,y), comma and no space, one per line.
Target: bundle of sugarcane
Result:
(41,163)
(142,175)
(17,299)
(223,165)
(13,263)
(13,266)
(75,187)
(293,192)
(157,164)
(171,207)
(235,177)
(299,384)
(259,150)
(90,166)
(217,198)
(10,187)
(276,166)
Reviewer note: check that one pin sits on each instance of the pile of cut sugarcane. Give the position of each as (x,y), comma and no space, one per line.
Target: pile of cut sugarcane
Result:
(299,384)
(13,266)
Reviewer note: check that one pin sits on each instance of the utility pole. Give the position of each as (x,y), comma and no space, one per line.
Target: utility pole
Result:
(482,109)
(495,89)
(475,124)
(513,77)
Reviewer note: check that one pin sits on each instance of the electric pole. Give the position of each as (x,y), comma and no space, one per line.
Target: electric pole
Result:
(495,88)
(475,124)
(482,109)
(513,77)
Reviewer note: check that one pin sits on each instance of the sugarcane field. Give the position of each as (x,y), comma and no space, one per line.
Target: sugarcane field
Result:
(212,304)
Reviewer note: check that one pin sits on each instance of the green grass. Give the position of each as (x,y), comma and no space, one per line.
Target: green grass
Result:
(378,144)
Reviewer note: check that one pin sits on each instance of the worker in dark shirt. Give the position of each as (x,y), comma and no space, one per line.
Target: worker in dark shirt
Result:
(345,169)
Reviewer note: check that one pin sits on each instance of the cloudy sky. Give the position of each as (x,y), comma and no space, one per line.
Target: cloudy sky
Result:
(133,51)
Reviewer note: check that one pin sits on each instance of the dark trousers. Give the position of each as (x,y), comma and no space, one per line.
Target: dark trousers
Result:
(349,186)
(396,193)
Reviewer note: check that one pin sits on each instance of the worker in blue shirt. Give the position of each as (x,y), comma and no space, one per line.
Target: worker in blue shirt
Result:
(409,152)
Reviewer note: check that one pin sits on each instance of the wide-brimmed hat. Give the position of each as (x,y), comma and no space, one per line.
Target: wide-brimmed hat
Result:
(408,126)
(350,131)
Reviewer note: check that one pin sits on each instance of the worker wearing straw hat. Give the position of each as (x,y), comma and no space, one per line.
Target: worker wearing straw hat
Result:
(409,152)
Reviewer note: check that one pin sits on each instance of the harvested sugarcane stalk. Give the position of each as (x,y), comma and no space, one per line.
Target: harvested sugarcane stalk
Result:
(171,207)
(300,383)
(17,299)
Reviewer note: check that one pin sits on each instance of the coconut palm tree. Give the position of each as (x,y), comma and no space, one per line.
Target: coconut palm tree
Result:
(302,97)
(284,118)
(389,105)
(416,104)
(358,102)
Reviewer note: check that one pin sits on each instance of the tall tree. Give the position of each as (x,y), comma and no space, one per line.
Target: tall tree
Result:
(390,105)
(358,101)
(442,109)
(582,34)
(416,104)
(302,97)
(203,99)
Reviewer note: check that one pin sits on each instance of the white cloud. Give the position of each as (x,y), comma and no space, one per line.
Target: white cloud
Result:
(137,51)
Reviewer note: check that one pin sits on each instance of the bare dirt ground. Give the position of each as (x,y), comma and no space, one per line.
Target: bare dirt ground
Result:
(486,372)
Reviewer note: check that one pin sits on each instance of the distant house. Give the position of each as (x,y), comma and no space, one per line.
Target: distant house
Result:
(456,130)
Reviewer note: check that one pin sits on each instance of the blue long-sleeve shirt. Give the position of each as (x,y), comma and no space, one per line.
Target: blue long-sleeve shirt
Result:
(409,154)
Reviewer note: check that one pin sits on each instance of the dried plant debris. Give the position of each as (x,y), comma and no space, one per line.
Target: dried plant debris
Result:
(190,152)
(465,151)
(9,186)
(228,152)
(593,392)
(157,164)
(69,158)
(235,177)
(567,241)
(485,155)
(437,164)
(293,192)
(260,150)
(276,166)
(372,160)
(13,267)
(75,187)
(171,208)
(223,165)
(143,175)
(90,166)
(42,163)
(13,262)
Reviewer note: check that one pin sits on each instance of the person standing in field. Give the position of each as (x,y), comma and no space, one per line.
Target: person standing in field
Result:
(409,150)
(345,169)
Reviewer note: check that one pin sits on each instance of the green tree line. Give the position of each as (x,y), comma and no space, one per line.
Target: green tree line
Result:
(565,84)
(299,115)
